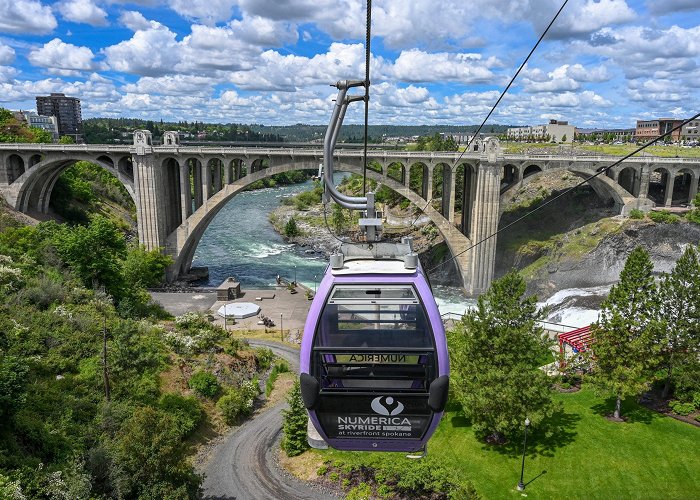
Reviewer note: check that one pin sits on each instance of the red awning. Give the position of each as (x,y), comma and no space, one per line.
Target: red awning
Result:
(579,339)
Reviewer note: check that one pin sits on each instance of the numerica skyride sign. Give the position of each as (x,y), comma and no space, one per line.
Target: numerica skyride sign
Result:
(383,417)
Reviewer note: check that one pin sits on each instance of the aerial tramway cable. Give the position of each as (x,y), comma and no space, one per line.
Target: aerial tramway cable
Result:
(368,37)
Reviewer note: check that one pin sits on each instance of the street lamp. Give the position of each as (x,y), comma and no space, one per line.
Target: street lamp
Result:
(521,485)
(295,275)
(281,334)
(315,276)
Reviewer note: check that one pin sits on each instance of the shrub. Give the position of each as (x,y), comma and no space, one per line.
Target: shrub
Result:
(204,384)
(264,357)
(663,217)
(680,408)
(360,492)
(238,402)
(635,213)
(280,367)
(186,411)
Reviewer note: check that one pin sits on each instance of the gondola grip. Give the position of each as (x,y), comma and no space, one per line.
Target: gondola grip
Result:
(309,390)
(438,392)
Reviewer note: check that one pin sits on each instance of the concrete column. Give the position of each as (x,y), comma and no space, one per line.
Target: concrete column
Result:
(185,192)
(228,173)
(426,183)
(150,199)
(3,170)
(197,179)
(429,181)
(644,181)
(205,175)
(668,194)
(693,189)
(637,182)
(217,177)
(482,258)
(449,182)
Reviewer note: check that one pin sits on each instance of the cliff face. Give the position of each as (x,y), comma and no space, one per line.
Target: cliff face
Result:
(602,265)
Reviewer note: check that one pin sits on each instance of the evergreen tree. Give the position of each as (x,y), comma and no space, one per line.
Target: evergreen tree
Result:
(678,320)
(622,348)
(291,229)
(295,420)
(495,353)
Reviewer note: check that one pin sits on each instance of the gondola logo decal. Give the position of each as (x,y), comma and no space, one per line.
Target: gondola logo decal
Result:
(389,407)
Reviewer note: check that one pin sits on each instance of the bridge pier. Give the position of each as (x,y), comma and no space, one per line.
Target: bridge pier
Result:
(485,213)
(151,202)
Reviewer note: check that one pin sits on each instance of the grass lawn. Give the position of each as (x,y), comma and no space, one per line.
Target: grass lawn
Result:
(650,456)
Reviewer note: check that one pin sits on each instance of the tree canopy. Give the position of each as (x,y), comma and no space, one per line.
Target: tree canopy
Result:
(495,355)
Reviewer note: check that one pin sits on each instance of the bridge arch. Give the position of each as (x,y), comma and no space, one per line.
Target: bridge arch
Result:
(183,242)
(605,187)
(33,188)
(418,175)
(682,186)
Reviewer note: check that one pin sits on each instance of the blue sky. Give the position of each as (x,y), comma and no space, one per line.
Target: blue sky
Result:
(606,63)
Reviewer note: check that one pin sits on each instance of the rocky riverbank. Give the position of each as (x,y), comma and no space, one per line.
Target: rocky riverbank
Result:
(317,239)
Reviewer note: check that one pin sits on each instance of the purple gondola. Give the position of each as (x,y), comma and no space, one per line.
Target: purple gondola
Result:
(374,365)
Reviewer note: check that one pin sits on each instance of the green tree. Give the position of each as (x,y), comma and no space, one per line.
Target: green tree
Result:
(291,229)
(622,346)
(66,139)
(678,321)
(150,458)
(13,374)
(94,252)
(145,268)
(338,219)
(295,421)
(495,356)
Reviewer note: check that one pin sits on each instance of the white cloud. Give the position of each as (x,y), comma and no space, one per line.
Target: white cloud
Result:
(151,52)
(579,18)
(171,85)
(7,74)
(7,54)
(134,20)
(26,16)
(207,12)
(62,58)
(419,66)
(265,32)
(83,11)
(290,72)
(564,78)
(671,6)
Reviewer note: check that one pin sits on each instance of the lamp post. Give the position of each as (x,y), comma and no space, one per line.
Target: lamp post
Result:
(281,333)
(315,276)
(521,485)
(295,275)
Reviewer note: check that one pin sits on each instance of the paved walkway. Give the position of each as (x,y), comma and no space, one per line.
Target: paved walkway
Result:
(285,309)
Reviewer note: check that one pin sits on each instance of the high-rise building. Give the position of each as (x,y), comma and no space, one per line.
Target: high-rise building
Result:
(67,113)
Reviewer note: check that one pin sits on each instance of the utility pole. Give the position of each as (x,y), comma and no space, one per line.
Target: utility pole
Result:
(105,370)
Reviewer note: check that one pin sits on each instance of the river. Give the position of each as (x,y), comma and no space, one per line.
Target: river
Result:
(241,242)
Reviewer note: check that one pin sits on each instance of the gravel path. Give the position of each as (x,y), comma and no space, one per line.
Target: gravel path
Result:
(244,465)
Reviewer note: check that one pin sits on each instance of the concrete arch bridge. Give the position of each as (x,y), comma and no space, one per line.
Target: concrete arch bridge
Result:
(178,190)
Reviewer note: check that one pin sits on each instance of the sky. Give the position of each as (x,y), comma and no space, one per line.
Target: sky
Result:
(604,63)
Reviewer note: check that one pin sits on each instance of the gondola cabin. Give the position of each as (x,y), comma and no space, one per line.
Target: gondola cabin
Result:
(374,365)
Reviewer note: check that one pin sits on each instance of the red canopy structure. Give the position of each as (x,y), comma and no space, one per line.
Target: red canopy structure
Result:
(579,339)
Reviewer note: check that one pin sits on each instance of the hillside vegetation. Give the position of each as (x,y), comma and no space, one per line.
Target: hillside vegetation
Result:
(102,395)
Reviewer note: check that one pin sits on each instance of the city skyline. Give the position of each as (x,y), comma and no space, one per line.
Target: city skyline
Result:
(605,63)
